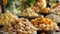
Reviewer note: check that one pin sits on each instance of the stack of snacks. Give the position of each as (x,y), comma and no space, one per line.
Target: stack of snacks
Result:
(20,26)
(57,12)
(5,18)
(44,24)
(45,10)
(54,18)
(28,13)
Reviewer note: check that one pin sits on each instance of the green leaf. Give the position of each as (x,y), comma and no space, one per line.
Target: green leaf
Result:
(10,2)
(29,2)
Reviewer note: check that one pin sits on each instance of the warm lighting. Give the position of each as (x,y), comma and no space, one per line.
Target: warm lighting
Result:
(4,2)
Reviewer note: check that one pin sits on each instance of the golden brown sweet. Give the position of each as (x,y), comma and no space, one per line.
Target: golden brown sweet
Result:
(44,24)
(41,3)
(28,13)
(45,10)
(21,26)
(6,18)
(54,17)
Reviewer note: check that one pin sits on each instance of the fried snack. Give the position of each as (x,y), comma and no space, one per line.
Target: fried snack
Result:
(56,11)
(44,24)
(35,8)
(54,18)
(41,3)
(45,10)
(28,13)
(20,26)
(6,18)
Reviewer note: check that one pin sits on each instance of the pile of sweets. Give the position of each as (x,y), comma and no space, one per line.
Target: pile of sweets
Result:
(20,26)
(57,12)
(28,13)
(54,18)
(44,24)
(6,18)
(45,10)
